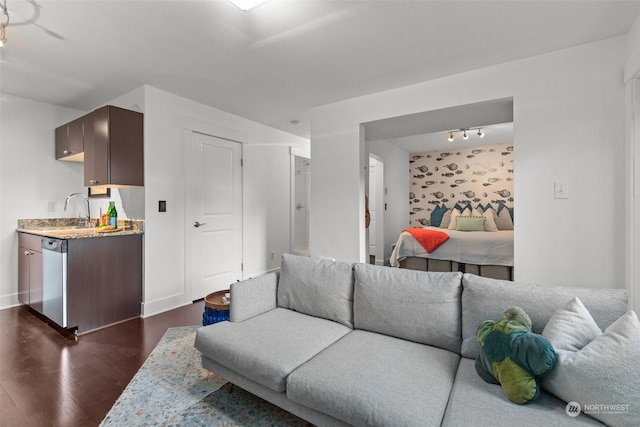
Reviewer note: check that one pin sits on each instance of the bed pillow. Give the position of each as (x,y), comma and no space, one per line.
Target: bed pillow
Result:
(470,223)
(446,218)
(437,214)
(503,220)
(490,221)
(454,219)
(462,209)
(603,373)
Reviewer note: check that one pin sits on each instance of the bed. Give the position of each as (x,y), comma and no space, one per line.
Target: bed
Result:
(484,253)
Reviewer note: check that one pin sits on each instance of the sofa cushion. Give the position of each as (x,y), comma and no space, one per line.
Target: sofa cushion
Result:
(318,287)
(571,327)
(603,376)
(484,298)
(268,347)
(415,305)
(474,402)
(364,378)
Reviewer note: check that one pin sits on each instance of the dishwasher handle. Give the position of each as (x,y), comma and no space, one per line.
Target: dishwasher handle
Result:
(55,245)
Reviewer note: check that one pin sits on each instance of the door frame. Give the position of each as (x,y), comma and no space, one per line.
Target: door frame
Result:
(233,135)
(293,153)
(379,189)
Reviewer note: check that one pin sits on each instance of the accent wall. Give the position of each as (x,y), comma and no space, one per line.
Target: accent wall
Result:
(470,175)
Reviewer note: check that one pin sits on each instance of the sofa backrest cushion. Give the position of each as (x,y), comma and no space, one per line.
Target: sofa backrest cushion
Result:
(419,306)
(486,299)
(317,287)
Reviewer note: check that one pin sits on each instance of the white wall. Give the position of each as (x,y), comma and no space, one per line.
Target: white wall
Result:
(166,116)
(569,103)
(396,181)
(30,176)
(267,207)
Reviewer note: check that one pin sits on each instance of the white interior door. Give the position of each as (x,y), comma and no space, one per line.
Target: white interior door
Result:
(214,214)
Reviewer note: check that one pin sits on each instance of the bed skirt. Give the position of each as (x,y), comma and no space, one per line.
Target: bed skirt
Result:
(501,272)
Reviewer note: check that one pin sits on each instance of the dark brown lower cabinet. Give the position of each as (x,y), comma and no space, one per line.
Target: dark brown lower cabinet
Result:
(104,280)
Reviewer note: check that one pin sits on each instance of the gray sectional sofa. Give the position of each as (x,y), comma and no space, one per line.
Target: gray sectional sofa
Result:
(339,344)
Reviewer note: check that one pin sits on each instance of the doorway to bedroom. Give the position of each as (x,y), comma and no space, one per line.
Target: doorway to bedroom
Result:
(430,171)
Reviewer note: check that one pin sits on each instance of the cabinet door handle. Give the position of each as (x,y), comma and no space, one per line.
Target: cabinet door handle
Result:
(27,253)
(93,181)
(66,152)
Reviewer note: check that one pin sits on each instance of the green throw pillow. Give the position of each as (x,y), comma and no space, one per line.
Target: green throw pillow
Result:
(470,223)
(513,356)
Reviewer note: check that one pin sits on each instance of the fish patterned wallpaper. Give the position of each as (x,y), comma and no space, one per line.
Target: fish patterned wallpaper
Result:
(468,175)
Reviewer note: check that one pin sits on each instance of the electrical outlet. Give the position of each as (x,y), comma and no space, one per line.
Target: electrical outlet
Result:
(162,205)
(272,256)
(52,206)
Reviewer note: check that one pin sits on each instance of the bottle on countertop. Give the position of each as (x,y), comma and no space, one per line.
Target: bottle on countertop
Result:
(113,215)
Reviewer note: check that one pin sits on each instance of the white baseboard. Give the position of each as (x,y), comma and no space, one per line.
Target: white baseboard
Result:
(9,301)
(150,308)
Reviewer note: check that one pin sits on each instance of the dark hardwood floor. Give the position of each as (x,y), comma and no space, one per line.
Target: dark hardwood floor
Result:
(49,380)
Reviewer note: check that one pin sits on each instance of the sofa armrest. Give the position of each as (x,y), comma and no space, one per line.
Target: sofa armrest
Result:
(253,296)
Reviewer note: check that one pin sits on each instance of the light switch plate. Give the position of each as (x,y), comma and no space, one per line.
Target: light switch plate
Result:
(560,190)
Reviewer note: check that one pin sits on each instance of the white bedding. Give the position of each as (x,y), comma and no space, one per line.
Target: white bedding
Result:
(469,247)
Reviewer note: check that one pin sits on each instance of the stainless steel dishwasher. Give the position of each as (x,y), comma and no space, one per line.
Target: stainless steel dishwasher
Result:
(54,280)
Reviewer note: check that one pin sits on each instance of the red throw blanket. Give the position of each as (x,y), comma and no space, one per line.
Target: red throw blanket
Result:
(429,239)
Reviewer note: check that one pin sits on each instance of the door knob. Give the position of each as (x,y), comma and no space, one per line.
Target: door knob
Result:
(199,224)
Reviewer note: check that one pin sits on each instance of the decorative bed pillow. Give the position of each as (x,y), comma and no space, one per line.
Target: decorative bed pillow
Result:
(490,221)
(503,220)
(603,377)
(571,327)
(455,213)
(446,218)
(462,209)
(437,214)
(470,223)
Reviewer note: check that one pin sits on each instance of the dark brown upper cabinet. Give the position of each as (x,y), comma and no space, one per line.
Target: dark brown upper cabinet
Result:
(113,148)
(110,142)
(70,141)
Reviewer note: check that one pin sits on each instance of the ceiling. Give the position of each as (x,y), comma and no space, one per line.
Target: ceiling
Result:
(274,63)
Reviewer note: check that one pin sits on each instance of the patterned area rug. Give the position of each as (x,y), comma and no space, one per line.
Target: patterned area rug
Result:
(172,389)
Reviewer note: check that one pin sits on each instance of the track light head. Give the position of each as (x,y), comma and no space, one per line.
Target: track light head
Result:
(450,137)
(480,133)
(464,135)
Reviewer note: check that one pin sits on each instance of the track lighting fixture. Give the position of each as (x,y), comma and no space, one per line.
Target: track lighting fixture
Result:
(4,23)
(465,135)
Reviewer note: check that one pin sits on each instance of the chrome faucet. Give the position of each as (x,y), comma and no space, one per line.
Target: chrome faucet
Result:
(71,196)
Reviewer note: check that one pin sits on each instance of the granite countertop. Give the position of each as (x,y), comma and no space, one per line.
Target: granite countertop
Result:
(67,228)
